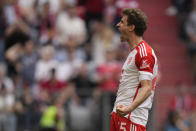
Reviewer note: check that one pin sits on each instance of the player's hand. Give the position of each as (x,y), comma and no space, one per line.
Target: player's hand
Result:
(122,110)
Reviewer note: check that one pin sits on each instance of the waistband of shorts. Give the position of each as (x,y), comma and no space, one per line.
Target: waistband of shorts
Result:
(142,126)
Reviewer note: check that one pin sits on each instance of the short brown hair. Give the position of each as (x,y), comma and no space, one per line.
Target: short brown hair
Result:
(138,18)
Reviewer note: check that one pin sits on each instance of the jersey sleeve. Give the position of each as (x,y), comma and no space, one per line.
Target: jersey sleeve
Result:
(145,65)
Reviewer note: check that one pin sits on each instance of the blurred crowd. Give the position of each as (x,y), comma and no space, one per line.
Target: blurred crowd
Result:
(57,57)
(185,10)
(181,112)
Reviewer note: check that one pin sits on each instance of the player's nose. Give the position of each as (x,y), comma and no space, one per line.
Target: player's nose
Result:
(118,25)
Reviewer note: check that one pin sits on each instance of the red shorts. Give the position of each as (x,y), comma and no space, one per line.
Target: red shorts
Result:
(118,123)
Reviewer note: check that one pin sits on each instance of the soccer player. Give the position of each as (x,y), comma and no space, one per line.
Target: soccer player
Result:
(136,89)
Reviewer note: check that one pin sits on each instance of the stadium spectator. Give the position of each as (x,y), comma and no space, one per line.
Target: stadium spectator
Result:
(54,4)
(181,9)
(65,48)
(53,85)
(182,100)
(12,12)
(182,6)
(45,64)
(28,12)
(47,26)
(190,28)
(15,37)
(82,79)
(79,114)
(74,57)
(93,12)
(28,61)
(103,38)
(5,80)
(109,12)
(94,105)
(70,25)
(176,123)
(7,116)
(53,117)
(109,72)
(27,110)
(183,105)
(3,26)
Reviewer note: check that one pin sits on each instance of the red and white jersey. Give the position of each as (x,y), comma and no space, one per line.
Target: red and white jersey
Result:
(141,64)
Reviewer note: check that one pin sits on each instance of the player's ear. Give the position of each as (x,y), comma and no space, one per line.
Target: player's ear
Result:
(131,28)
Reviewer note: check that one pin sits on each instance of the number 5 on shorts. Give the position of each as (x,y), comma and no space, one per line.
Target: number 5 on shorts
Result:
(122,126)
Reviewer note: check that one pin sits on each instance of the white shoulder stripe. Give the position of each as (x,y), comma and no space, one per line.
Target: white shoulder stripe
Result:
(144,49)
(140,51)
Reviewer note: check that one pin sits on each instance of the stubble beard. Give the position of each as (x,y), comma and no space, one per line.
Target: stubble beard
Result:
(122,38)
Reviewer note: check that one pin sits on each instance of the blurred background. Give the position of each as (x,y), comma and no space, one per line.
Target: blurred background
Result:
(60,63)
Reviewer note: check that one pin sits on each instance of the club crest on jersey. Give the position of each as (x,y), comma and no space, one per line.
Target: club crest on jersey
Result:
(129,61)
(145,64)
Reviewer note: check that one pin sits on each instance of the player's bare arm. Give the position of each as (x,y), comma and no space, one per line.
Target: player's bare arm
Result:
(145,92)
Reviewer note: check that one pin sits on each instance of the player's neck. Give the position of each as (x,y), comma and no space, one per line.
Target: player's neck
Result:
(134,41)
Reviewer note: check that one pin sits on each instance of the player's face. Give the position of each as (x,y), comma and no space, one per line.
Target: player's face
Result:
(123,28)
